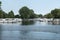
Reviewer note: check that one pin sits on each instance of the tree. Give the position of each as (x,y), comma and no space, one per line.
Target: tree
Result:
(1,14)
(56,13)
(40,15)
(11,14)
(0,5)
(32,14)
(49,15)
(5,15)
(24,12)
(27,13)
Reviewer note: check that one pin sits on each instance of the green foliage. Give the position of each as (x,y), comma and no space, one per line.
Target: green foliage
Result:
(49,15)
(0,3)
(11,14)
(32,14)
(40,15)
(26,13)
(56,13)
(3,14)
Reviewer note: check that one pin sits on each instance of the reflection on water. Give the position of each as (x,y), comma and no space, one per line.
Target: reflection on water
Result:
(56,23)
(35,31)
(27,22)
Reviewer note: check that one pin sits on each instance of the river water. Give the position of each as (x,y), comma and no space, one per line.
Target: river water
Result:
(29,30)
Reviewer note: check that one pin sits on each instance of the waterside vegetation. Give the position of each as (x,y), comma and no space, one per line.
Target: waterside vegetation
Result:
(26,13)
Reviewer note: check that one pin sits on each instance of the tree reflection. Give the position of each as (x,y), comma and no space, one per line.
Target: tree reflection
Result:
(56,23)
(0,31)
(27,22)
(24,32)
(0,27)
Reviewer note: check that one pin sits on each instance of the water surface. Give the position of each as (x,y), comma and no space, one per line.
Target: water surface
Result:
(29,30)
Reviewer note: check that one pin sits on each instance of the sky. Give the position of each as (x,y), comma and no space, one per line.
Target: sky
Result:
(39,6)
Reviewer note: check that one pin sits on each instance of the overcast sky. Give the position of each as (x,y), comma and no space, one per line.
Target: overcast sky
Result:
(39,6)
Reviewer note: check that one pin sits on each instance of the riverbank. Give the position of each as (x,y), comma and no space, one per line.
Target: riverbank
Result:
(13,20)
(10,20)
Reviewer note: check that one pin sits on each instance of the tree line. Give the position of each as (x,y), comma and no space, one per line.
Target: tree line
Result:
(24,13)
(53,14)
